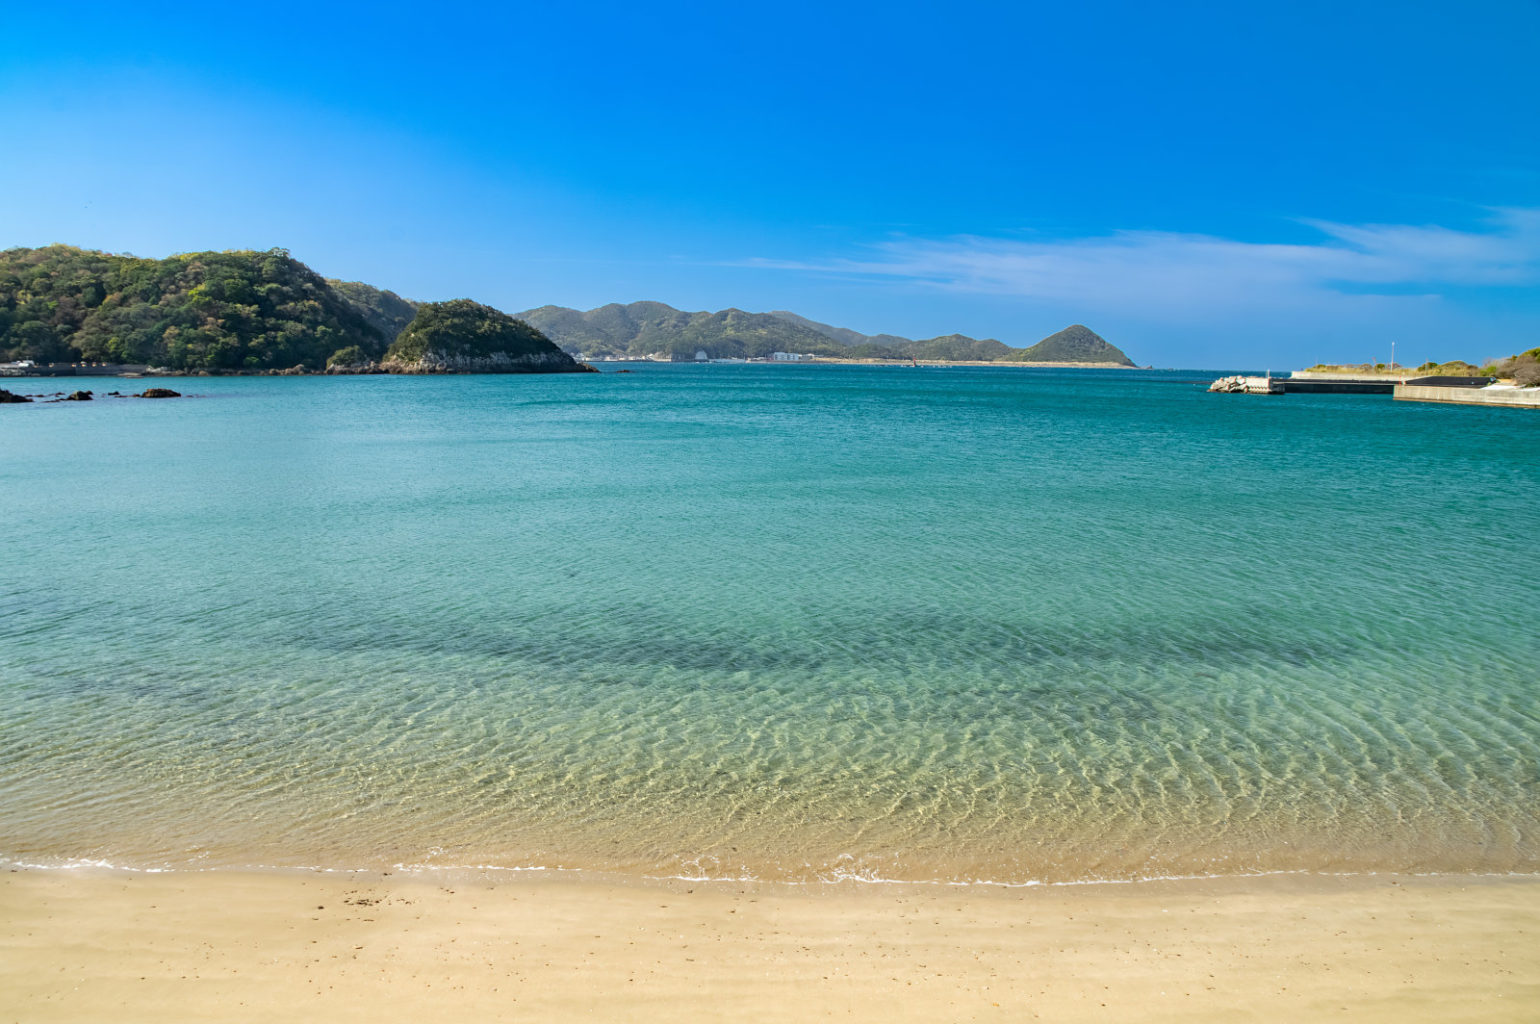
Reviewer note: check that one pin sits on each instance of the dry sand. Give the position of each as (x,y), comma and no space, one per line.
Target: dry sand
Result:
(217,946)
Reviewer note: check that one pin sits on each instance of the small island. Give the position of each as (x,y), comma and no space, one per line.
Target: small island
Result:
(462,336)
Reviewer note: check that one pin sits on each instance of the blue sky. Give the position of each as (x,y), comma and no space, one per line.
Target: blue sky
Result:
(1203,184)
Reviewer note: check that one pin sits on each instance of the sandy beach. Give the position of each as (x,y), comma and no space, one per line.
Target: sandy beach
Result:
(233,946)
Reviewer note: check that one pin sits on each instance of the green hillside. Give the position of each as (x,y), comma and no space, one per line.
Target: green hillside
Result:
(844,335)
(464,335)
(647,328)
(1074,344)
(958,347)
(215,310)
(385,311)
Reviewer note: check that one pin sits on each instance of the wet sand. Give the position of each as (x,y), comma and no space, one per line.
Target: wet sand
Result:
(232,946)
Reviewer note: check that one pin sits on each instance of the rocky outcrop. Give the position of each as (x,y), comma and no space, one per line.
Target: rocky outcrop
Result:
(1229,385)
(6,398)
(496,362)
(159,393)
(78,396)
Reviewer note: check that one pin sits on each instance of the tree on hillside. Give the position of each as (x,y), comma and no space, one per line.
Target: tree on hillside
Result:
(461,327)
(214,310)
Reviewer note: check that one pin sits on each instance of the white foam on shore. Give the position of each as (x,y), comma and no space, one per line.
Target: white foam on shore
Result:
(832,878)
(88,864)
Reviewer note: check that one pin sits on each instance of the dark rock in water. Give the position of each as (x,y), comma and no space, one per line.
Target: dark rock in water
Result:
(159,393)
(622,371)
(78,396)
(6,398)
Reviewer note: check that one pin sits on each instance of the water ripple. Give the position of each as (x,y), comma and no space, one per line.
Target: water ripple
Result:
(998,625)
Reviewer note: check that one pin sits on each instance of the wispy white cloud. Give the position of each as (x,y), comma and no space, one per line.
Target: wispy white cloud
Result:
(1180,273)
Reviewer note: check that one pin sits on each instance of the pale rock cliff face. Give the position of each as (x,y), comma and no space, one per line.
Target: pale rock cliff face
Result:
(496,362)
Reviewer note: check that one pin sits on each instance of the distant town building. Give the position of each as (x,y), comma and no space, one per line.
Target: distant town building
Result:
(789,357)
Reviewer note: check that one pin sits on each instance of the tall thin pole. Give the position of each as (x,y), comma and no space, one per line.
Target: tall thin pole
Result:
(1392,355)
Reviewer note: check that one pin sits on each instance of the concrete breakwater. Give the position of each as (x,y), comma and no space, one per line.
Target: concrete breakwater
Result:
(1397,376)
(1242,385)
(1318,384)
(1512,397)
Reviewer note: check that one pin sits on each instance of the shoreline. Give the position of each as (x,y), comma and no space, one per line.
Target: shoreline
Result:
(240,945)
(377,370)
(970,362)
(635,875)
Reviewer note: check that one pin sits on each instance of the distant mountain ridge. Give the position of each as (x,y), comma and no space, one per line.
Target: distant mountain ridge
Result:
(646,328)
(1075,344)
(843,335)
(650,328)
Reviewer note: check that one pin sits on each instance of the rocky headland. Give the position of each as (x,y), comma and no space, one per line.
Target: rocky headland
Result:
(463,336)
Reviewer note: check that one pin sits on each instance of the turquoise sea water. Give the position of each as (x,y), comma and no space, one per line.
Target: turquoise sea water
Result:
(782,622)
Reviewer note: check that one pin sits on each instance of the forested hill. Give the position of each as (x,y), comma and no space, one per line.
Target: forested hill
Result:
(385,311)
(1075,344)
(649,328)
(463,336)
(213,310)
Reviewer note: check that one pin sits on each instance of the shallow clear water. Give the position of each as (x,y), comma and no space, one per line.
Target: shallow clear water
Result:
(788,622)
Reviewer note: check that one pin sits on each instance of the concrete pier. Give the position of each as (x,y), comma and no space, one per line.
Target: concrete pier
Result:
(1513,398)
(1308,383)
